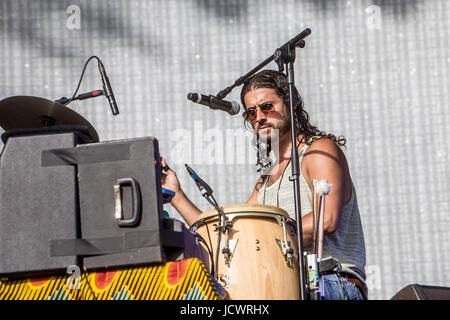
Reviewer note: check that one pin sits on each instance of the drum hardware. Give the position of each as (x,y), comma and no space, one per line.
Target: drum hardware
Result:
(287,252)
(312,277)
(313,260)
(329,265)
(224,228)
(226,250)
(228,247)
(285,245)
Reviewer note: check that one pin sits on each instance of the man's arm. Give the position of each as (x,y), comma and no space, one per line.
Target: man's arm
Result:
(185,207)
(254,196)
(325,160)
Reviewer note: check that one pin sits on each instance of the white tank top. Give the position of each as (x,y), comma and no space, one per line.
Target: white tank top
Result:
(346,244)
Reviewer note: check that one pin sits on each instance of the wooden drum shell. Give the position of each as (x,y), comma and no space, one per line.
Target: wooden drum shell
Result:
(257,269)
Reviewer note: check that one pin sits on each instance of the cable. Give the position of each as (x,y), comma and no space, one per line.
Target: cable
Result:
(221,229)
(209,248)
(81,78)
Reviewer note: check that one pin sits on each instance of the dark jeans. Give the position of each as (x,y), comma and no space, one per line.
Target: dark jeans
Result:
(335,290)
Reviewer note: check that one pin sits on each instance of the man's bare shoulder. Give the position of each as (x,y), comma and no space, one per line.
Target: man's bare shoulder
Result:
(324,152)
(324,145)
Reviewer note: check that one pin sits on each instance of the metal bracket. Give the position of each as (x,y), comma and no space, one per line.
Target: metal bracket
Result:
(329,265)
(287,252)
(227,247)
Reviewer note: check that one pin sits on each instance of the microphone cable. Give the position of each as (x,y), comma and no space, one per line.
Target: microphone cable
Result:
(81,78)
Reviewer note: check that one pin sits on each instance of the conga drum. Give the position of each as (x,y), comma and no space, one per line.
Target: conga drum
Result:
(263,257)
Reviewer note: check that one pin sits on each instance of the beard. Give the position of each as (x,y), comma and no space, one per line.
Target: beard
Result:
(273,132)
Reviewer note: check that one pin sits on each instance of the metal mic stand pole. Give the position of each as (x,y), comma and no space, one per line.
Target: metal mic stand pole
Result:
(295,179)
(296,41)
(285,55)
(242,79)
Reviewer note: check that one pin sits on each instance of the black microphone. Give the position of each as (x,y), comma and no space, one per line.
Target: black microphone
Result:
(82,96)
(107,89)
(90,94)
(202,185)
(215,103)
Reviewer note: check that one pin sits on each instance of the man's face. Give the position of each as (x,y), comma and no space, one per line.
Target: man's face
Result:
(266,111)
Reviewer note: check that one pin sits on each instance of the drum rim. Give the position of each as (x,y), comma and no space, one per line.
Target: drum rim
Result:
(240,210)
(248,207)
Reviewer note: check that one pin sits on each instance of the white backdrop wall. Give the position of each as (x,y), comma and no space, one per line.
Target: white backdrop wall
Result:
(374,71)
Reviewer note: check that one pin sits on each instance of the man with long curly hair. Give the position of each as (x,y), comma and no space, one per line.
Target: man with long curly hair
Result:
(265,97)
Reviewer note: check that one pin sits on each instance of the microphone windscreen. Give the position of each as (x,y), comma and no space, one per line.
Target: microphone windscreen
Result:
(235,108)
(195,97)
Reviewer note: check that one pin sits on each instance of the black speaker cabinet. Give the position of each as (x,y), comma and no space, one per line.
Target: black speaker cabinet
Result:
(37,204)
(120,202)
(421,292)
(95,205)
(123,204)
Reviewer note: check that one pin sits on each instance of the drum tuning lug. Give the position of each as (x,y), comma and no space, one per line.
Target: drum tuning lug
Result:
(228,247)
(257,241)
(287,252)
(226,255)
(258,248)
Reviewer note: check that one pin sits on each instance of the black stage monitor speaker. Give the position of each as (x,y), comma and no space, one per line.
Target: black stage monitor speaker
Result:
(37,204)
(123,202)
(120,202)
(95,205)
(421,292)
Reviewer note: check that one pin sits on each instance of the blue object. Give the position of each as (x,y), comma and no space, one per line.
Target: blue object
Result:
(167,195)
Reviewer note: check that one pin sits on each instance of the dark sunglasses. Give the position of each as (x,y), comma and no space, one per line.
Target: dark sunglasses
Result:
(266,108)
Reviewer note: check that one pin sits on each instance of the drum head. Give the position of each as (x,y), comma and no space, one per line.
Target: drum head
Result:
(243,208)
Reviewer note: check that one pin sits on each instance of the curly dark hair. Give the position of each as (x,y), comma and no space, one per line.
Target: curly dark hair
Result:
(278,82)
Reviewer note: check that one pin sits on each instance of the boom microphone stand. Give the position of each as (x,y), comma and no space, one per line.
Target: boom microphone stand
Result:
(285,58)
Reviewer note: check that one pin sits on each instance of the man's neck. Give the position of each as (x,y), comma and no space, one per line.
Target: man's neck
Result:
(284,146)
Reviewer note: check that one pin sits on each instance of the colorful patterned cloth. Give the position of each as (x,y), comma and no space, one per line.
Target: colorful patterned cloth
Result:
(184,280)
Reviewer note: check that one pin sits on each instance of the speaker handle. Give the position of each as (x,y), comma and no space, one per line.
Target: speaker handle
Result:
(136,201)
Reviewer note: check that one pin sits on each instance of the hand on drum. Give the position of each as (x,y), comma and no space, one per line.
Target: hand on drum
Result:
(169,179)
